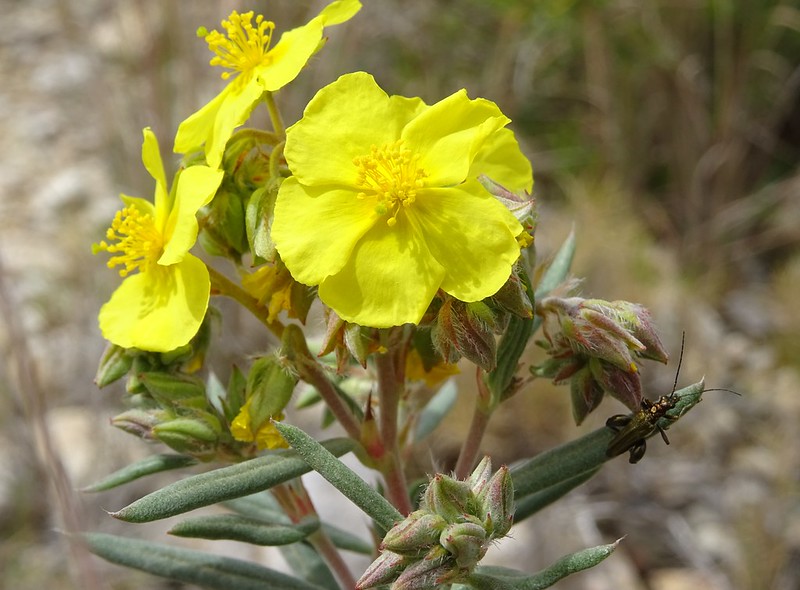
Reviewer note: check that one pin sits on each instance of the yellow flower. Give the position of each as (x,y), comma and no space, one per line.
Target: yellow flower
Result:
(160,307)
(265,435)
(384,207)
(257,69)
(433,377)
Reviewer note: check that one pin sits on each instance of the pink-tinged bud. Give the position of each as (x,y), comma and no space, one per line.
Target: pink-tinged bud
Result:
(415,534)
(466,542)
(497,503)
(513,297)
(383,570)
(623,385)
(586,394)
(480,476)
(140,422)
(466,329)
(523,207)
(438,565)
(449,498)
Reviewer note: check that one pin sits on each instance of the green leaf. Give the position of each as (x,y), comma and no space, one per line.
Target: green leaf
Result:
(262,506)
(498,578)
(347,540)
(307,564)
(532,503)
(190,567)
(225,483)
(436,409)
(341,477)
(558,270)
(562,463)
(239,528)
(147,466)
(512,346)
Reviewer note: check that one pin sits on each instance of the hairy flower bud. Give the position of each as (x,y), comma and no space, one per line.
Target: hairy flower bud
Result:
(466,329)
(596,344)
(444,540)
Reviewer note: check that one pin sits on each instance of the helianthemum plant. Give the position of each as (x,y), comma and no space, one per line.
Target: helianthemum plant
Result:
(405,230)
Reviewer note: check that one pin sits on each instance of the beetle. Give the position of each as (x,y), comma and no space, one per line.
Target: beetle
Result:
(633,430)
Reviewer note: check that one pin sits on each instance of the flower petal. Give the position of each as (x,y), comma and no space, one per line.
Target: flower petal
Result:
(315,228)
(338,12)
(501,160)
(343,121)
(159,310)
(390,279)
(471,234)
(196,187)
(199,127)
(448,134)
(243,94)
(290,55)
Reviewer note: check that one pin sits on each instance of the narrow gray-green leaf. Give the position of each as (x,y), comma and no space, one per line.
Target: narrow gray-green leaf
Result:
(307,564)
(559,267)
(347,540)
(562,463)
(436,409)
(147,466)
(262,506)
(495,578)
(341,477)
(532,503)
(239,528)
(190,567)
(225,483)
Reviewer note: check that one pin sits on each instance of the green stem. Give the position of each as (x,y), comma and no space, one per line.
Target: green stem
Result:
(477,428)
(275,159)
(389,390)
(222,285)
(314,374)
(274,114)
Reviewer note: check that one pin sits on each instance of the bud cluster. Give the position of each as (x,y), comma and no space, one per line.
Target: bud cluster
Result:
(447,536)
(596,344)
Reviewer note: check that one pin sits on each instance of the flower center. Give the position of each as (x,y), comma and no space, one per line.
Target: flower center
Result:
(392,175)
(245,46)
(139,243)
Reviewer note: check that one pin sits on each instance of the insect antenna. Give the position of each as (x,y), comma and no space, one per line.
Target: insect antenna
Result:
(680,360)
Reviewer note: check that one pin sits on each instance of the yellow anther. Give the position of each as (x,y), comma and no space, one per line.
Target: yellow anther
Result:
(391,174)
(245,46)
(139,243)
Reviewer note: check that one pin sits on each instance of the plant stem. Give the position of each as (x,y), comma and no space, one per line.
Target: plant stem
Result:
(274,114)
(477,428)
(222,285)
(328,551)
(315,375)
(389,390)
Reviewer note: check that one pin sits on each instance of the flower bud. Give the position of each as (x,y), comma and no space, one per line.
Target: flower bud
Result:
(448,497)
(383,570)
(466,329)
(415,534)
(437,566)
(140,422)
(513,296)
(196,435)
(497,503)
(114,364)
(466,541)
(480,476)
(175,390)
(223,224)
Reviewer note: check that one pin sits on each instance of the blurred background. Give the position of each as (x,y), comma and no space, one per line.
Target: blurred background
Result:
(666,131)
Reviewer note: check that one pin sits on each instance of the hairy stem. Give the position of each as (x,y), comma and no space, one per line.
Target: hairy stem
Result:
(314,374)
(328,551)
(274,114)
(477,428)
(389,390)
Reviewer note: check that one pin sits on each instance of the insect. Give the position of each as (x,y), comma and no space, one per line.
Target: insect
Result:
(632,430)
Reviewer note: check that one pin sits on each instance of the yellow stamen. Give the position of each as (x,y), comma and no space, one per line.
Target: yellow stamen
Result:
(139,242)
(392,175)
(245,46)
